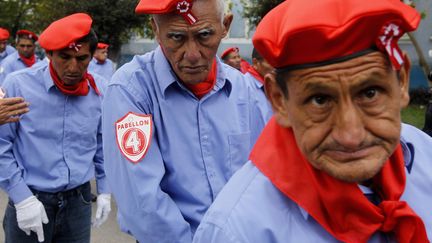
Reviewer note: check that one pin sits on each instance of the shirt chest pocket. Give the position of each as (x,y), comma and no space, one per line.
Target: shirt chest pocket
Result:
(88,132)
(239,148)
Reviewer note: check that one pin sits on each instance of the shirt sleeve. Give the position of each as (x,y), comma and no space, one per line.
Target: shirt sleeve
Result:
(4,70)
(11,179)
(101,181)
(147,212)
(257,121)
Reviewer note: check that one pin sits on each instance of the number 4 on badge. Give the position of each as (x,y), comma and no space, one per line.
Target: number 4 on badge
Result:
(133,134)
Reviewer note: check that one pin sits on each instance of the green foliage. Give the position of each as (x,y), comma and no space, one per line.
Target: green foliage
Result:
(15,14)
(113,20)
(254,10)
(414,115)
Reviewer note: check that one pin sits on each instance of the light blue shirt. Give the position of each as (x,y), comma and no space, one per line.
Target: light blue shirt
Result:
(263,103)
(105,69)
(251,209)
(9,50)
(195,147)
(57,145)
(11,64)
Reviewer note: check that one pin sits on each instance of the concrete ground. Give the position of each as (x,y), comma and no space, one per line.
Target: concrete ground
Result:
(109,232)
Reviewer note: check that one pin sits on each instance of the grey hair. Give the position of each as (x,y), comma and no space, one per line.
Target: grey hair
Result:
(220,8)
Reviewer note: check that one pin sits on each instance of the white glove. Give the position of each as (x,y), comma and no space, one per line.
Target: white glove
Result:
(103,209)
(30,216)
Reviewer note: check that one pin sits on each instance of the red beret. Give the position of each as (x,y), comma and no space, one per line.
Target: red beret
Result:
(101,45)
(27,33)
(182,7)
(228,51)
(4,34)
(65,32)
(297,34)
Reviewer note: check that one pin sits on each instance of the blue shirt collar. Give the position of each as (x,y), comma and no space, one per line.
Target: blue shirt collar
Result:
(166,76)
(257,83)
(48,81)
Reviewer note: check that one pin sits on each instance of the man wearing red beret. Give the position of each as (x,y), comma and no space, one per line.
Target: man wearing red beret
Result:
(101,64)
(231,56)
(335,164)
(49,157)
(255,75)
(10,107)
(5,49)
(177,123)
(24,57)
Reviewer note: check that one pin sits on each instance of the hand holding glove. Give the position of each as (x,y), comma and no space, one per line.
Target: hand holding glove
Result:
(30,216)
(103,209)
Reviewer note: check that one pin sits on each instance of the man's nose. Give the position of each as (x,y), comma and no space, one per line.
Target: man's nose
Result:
(73,65)
(349,130)
(192,52)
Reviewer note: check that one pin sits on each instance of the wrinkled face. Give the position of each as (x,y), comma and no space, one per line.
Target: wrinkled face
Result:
(101,55)
(3,44)
(190,49)
(233,59)
(71,65)
(25,47)
(262,66)
(346,116)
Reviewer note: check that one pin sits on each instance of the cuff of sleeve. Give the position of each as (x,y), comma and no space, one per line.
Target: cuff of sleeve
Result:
(102,186)
(19,192)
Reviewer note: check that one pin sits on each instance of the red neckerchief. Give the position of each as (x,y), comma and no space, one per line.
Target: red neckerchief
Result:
(202,88)
(79,89)
(28,61)
(244,65)
(255,74)
(339,207)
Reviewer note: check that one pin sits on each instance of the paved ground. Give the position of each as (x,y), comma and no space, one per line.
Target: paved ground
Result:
(107,233)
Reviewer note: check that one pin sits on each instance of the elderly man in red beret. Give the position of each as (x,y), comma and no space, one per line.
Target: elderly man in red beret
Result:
(335,164)
(177,123)
(49,157)
(101,64)
(24,57)
(5,49)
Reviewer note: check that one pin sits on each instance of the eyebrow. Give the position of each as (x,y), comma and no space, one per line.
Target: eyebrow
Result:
(207,29)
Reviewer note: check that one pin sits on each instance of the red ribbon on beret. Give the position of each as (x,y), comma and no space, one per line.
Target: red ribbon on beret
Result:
(387,42)
(184,9)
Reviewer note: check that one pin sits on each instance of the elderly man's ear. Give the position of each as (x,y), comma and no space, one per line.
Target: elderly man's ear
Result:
(278,99)
(227,20)
(404,81)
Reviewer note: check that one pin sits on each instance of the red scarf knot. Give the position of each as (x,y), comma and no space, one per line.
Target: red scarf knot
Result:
(204,87)
(393,211)
(78,89)
(28,61)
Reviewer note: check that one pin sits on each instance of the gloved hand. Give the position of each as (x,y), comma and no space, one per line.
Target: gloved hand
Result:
(103,209)
(30,216)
